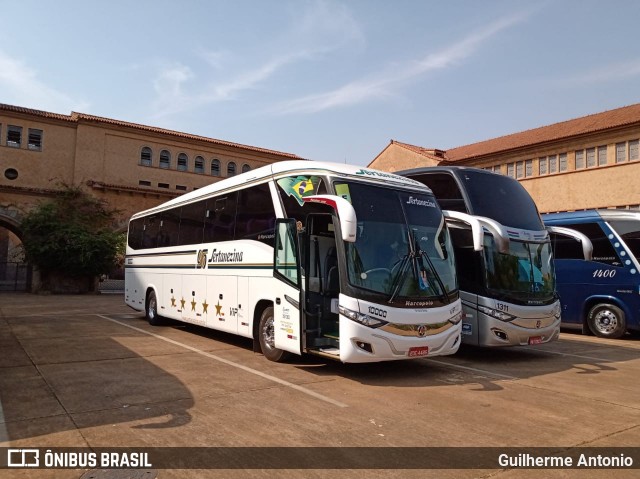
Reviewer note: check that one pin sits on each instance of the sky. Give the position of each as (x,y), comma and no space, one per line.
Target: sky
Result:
(327,80)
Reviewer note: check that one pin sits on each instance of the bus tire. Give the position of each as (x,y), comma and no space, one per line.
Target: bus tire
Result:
(606,321)
(151,311)
(266,336)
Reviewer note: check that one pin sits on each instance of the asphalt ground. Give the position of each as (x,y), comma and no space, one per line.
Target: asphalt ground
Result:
(87,371)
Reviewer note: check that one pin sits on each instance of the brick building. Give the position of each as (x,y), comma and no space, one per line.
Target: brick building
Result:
(588,162)
(131,166)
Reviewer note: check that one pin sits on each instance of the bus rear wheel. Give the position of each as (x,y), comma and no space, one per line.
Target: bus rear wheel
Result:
(266,336)
(151,311)
(607,321)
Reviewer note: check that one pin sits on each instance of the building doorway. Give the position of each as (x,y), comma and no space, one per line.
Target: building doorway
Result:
(15,272)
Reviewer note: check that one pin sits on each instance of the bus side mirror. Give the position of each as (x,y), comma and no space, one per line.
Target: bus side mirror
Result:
(453,217)
(478,225)
(587,245)
(344,210)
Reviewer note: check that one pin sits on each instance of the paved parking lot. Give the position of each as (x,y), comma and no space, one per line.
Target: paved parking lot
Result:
(86,371)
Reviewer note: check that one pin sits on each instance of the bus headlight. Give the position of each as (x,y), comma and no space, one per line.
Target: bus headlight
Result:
(361,318)
(557,310)
(456,318)
(501,315)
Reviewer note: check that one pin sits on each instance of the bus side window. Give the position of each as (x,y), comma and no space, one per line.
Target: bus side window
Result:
(256,216)
(629,231)
(170,227)
(445,189)
(603,250)
(565,247)
(151,231)
(136,229)
(192,223)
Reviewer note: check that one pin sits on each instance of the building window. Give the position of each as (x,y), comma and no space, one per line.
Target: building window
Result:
(519,169)
(602,155)
(621,152)
(579,159)
(144,183)
(163,185)
(591,157)
(14,136)
(542,166)
(181,187)
(553,164)
(146,156)
(245,168)
(528,170)
(633,150)
(198,165)
(563,161)
(35,139)
(510,170)
(215,167)
(497,169)
(231,169)
(183,162)
(11,174)
(165,159)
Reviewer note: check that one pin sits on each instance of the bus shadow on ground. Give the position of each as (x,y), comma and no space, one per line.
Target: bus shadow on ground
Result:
(61,375)
(488,368)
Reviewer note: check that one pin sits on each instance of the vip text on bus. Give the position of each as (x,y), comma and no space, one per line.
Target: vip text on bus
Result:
(601,296)
(503,256)
(304,257)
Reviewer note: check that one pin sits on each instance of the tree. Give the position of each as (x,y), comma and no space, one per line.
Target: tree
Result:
(72,237)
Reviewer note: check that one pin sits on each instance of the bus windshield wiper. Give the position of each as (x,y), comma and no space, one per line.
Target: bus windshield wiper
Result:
(422,254)
(399,279)
(412,260)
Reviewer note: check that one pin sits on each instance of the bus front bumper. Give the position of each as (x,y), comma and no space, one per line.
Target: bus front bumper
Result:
(520,332)
(361,344)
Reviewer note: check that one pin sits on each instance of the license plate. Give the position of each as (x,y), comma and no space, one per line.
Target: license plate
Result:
(418,351)
(535,340)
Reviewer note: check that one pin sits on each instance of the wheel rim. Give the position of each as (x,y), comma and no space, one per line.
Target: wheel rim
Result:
(268,333)
(151,312)
(606,321)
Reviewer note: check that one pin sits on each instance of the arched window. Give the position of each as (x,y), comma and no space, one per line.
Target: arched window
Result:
(215,167)
(146,156)
(231,169)
(198,165)
(245,168)
(183,162)
(165,159)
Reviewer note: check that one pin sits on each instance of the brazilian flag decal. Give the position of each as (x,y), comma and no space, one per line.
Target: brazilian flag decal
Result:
(298,187)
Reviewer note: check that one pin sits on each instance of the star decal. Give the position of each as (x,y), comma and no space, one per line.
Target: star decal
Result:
(193,305)
(205,305)
(182,301)
(173,302)
(218,309)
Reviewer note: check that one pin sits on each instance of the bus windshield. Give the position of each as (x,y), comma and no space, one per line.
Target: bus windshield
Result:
(402,250)
(488,193)
(525,274)
(629,231)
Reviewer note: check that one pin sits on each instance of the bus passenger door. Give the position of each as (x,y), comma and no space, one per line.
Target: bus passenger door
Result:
(287,314)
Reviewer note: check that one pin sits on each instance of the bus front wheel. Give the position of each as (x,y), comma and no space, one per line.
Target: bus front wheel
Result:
(266,336)
(151,311)
(607,321)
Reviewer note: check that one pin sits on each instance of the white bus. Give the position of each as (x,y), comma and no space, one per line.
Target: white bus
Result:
(304,257)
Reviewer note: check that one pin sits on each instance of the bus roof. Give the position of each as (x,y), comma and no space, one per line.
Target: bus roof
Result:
(455,169)
(593,215)
(294,167)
